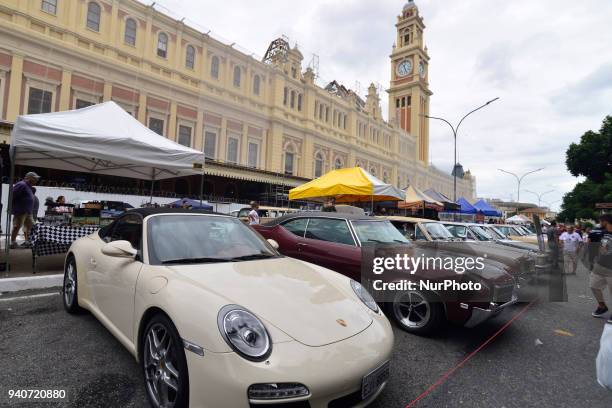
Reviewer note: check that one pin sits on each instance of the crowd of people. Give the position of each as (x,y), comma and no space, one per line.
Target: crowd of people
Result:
(592,246)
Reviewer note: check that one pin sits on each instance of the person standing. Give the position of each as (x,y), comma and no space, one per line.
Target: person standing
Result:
(553,243)
(22,205)
(593,243)
(571,241)
(601,275)
(329,205)
(253,214)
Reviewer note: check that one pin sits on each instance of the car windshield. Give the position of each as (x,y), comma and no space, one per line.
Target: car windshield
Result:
(502,231)
(438,231)
(481,233)
(459,231)
(377,232)
(496,234)
(182,239)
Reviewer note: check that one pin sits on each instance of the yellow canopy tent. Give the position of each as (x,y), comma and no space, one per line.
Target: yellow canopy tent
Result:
(348,185)
(415,198)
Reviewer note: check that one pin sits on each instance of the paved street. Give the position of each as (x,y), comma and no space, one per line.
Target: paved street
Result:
(44,347)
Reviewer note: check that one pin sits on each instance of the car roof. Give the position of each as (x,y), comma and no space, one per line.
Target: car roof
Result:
(145,212)
(320,214)
(407,219)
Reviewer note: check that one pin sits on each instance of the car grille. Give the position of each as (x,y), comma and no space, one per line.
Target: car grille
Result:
(503,294)
(349,400)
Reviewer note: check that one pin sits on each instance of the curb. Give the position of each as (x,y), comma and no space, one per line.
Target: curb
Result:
(30,282)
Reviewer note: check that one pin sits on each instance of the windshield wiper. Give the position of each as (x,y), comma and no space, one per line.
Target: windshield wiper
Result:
(194,260)
(252,256)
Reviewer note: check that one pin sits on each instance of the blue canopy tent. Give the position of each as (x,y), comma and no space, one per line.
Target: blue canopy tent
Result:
(486,209)
(466,207)
(195,204)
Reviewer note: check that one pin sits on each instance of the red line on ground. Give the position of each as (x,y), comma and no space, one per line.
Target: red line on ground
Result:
(447,374)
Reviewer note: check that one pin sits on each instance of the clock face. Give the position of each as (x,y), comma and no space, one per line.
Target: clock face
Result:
(404,68)
(422,69)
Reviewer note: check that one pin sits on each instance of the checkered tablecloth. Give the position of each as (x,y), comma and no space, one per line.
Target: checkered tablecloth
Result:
(56,239)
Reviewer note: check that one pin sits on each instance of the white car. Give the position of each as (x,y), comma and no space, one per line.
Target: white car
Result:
(217,317)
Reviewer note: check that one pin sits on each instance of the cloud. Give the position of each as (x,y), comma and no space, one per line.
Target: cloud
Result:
(586,94)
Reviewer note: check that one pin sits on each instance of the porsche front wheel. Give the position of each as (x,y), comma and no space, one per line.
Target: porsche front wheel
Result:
(164,364)
(69,288)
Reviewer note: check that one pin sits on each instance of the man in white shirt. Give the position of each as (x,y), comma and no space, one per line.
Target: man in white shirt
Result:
(253,214)
(571,242)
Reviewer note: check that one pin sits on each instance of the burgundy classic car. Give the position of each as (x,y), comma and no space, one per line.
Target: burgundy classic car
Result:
(335,241)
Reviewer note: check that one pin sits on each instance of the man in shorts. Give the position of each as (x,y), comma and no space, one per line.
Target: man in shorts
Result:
(601,275)
(22,206)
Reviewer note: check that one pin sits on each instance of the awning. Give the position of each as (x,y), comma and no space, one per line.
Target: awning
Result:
(447,202)
(347,186)
(239,173)
(486,209)
(415,198)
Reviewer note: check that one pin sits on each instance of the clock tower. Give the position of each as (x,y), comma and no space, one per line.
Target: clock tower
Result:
(409,91)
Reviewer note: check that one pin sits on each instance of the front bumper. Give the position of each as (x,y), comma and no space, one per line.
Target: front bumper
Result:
(480,315)
(330,372)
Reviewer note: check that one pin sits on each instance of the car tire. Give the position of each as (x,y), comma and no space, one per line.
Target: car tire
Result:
(70,294)
(417,312)
(164,364)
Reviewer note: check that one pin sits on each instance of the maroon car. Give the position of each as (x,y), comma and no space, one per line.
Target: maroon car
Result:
(335,241)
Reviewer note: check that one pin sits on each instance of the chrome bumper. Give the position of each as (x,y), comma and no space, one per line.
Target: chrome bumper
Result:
(480,315)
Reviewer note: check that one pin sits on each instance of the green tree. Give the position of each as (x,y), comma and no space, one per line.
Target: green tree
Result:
(591,158)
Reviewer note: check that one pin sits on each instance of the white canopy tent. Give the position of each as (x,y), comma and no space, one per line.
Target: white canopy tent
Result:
(100,139)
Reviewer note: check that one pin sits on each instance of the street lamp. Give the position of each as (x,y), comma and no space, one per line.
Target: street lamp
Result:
(519,179)
(539,195)
(455,130)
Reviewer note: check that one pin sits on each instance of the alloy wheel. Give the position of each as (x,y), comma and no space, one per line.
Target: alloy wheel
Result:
(412,309)
(161,375)
(70,284)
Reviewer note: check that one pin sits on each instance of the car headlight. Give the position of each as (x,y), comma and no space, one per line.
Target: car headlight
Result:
(244,332)
(364,296)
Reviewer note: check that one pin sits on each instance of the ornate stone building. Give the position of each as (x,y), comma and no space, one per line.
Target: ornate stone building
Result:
(264,125)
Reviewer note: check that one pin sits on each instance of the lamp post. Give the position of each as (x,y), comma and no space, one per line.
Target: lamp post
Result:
(455,129)
(519,179)
(539,195)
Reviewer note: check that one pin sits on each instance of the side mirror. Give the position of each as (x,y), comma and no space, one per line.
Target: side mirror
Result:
(273,243)
(119,249)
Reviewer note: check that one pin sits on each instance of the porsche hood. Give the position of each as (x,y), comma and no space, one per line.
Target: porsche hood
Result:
(310,304)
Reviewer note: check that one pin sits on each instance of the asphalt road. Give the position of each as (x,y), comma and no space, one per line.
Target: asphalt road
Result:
(544,358)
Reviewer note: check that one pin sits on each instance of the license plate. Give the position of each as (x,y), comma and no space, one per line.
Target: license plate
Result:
(371,382)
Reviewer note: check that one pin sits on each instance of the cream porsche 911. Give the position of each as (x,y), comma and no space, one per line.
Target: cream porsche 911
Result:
(216,317)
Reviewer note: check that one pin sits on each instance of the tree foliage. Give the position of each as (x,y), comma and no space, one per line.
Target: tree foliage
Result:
(591,158)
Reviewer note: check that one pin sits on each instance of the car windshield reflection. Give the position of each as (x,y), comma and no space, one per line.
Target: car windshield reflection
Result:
(195,239)
(378,232)
(438,231)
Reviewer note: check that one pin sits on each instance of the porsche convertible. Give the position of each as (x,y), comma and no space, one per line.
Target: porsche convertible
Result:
(216,317)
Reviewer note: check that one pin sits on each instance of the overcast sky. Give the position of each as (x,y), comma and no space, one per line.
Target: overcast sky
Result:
(549,61)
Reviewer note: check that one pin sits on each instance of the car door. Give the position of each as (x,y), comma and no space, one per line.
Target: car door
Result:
(329,242)
(114,294)
(292,237)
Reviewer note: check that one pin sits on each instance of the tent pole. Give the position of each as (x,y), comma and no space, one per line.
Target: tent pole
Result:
(9,208)
(201,186)
(152,184)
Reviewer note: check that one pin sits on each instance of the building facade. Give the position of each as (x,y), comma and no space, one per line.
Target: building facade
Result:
(262,124)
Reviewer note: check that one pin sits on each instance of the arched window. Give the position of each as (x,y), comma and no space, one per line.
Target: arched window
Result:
(93,16)
(327,114)
(214,67)
(285,94)
(318,168)
(299,102)
(373,171)
(292,104)
(256,84)
(385,177)
(338,163)
(289,159)
(162,45)
(130,32)
(236,75)
(190,57)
